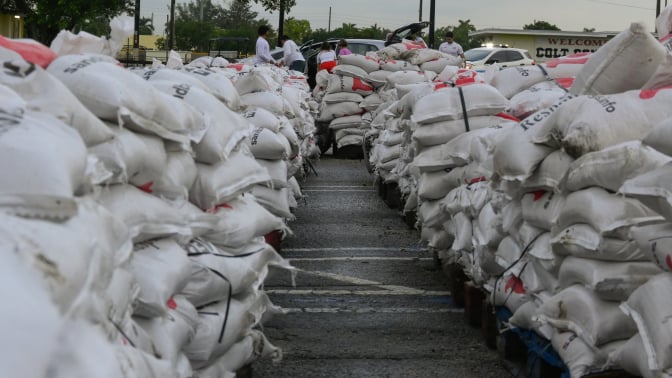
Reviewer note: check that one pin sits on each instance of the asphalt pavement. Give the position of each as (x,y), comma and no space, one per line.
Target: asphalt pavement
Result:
(369,300)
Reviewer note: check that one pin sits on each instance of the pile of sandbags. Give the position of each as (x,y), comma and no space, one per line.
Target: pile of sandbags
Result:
(134,213)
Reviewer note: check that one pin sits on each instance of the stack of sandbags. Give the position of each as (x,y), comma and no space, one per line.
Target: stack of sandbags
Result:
(107,171)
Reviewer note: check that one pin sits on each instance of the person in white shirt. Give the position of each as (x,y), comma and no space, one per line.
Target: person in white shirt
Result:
(263,50)
(292,57)
(451,47)
(326,59)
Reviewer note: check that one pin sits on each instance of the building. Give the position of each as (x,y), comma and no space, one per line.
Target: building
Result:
(11,25)
(545,44)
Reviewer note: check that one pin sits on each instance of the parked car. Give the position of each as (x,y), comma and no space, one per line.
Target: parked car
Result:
(480,57)
(399,34)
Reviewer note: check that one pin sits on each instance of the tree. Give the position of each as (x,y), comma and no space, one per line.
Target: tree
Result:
(588,30)
(540,25)
(146,26)
(461,34)
(238,15)
(297,29)
(273,5)
(45,18)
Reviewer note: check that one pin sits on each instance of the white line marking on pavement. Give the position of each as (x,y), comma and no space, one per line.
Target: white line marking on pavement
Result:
(334,186)
(337,249)
(337,190)
(371,310)
(354,281)
(360,258)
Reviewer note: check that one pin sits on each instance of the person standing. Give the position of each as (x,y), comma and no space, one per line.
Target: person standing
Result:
(326,59)
(263,50)
(343,48)
(292,57)
(451,47)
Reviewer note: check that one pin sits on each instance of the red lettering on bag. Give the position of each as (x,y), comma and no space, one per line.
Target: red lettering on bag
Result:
(565,82)
(358,84)
(476,179)
(647,94)
(538,194)
(580,58)
(222,205)
(147,187)
(172,304)
(236,66)
(440,86)
(668,260)
(515,285)
(507,116)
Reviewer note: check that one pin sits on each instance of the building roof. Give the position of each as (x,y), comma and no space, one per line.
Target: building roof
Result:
(555,33)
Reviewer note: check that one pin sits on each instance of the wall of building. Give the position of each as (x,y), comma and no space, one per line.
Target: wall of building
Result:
(10,26)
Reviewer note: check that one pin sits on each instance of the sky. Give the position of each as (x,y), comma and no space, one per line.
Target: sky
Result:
(568,15)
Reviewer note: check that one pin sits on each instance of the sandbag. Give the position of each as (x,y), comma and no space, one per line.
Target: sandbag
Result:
(219,84)
(660,137)
(339,83)
(265,144)
(432,134)
(446,104)
(654,242)
(582,240)
(551,174)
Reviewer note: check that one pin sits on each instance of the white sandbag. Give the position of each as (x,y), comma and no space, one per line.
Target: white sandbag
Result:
(44,93)
(378,78)
(663,75)
(261,117)
(431,215)
(461,77)
(632,357)
(463,233)
(508,291)
(339,83)
(341,133)
(610,167)
(551,173)
(32,326)
(346,122)
(438,65)
(334,98)
(177,178)
(161,268)
(431,134)
(137,363)
(651,311)
(487,227)
(270,101)
(660,137)
(255,81)
(591,123)
(609,214)
(174,330)
(223,324)
(43,156)
(581,358)
(535,98)
(387,153)
(329,112)
(581,240)
(512,80)
(393,65)
(132,158)
(274,200)
(508,253)
(145,215)
(236,271)
(226,129)
(351,71)
(519,163)
(219,84)
(654,242)
(120,295)
(408,77)
(349,140)
(542,208)
(287,130)
(652,189)
(129,100)
(579,310)
(367,63)
(633,50)
(610,281)
(446,104)
(252,347)
(171,75)
(241,220)
(277,170)
(522,318)
(265,144)
(222,182)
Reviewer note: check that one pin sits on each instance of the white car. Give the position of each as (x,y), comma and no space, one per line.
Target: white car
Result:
(480,57)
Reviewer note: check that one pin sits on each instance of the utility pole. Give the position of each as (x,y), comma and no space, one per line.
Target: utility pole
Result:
(657,8)
(136,31)
(432,16)
(171,40)
(420,12)
(329,25)
(201,1)
(281,22)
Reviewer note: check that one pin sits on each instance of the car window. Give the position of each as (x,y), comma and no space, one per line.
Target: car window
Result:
(527,55)
(361,48)
(474,55)
(499,56)
(513,55)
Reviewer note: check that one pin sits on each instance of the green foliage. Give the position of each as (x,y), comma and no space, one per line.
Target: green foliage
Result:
(45,18)
(588,30)
(239,15)
(274,5)
(161,43)
(146,27)
(348,31)
(540,25)
(297,29)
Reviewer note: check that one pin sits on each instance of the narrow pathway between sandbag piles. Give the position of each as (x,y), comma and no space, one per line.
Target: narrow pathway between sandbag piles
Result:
(368,301)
